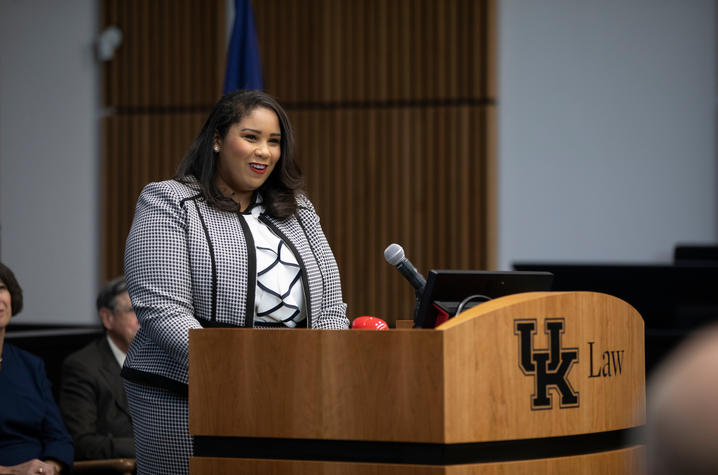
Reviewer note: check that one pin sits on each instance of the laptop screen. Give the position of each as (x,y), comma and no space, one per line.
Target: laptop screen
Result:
(446,290)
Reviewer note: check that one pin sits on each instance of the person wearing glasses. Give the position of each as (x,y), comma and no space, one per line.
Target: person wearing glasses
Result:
(92,394)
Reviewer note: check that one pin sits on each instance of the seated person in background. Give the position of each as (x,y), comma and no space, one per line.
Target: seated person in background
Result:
(92,395)
(32,436)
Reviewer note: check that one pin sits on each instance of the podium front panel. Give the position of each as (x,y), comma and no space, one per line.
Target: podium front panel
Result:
(548,376)
(544,365)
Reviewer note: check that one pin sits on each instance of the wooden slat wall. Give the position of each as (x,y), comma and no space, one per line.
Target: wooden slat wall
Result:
(172,53)
(368,51)
(393,103)
(415,176)
(158,89)
(139,148)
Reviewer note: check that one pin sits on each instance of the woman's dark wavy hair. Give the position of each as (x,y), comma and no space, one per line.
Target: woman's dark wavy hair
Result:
(8,278)
(279,192)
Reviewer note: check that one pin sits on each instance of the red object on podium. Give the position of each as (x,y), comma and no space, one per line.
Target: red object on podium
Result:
(441,315)
(369,323)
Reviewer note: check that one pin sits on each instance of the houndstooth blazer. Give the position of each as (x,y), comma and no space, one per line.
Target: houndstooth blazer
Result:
(189,265)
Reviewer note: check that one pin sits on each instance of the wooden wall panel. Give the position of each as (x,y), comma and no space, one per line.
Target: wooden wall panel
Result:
(371,188)
(140,148)
(158,88)
(172,53)
(375,50)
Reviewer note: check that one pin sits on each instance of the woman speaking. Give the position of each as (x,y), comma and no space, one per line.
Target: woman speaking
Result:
(230,241)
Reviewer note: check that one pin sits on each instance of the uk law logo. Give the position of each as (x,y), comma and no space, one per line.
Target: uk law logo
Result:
(550,367)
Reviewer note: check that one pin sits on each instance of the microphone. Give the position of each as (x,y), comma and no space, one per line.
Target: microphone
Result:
(394,255)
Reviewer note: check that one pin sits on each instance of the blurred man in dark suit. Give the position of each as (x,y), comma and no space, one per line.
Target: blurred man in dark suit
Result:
(92,395)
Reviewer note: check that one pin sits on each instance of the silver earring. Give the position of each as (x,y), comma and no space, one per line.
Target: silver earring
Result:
(216,148)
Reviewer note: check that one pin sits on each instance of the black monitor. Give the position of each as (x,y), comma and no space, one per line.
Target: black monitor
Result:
(674,300)
(686,254)
(446,290)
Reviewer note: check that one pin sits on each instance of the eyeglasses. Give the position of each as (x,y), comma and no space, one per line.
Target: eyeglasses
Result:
(124,309)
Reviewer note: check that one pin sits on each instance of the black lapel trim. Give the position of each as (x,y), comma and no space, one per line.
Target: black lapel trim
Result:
(213,317)
(193,198)
(251,272)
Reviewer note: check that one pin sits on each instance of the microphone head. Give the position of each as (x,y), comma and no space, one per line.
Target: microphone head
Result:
(393,254)
(367,322)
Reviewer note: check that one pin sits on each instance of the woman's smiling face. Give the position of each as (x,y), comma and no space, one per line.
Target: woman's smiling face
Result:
(247,154)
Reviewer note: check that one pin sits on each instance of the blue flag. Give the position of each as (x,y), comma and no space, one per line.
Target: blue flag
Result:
(244,70)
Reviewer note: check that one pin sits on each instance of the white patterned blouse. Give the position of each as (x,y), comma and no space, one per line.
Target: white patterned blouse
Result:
(278,297)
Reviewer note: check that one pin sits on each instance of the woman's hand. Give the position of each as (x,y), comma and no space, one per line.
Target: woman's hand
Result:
(32,467)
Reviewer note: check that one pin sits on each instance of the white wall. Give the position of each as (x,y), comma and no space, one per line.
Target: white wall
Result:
(607,142)
(49,156)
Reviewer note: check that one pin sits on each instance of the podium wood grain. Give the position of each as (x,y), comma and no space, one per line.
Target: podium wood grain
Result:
(458,383)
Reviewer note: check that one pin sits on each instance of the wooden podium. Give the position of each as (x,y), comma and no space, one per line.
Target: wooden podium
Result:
(532,383)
